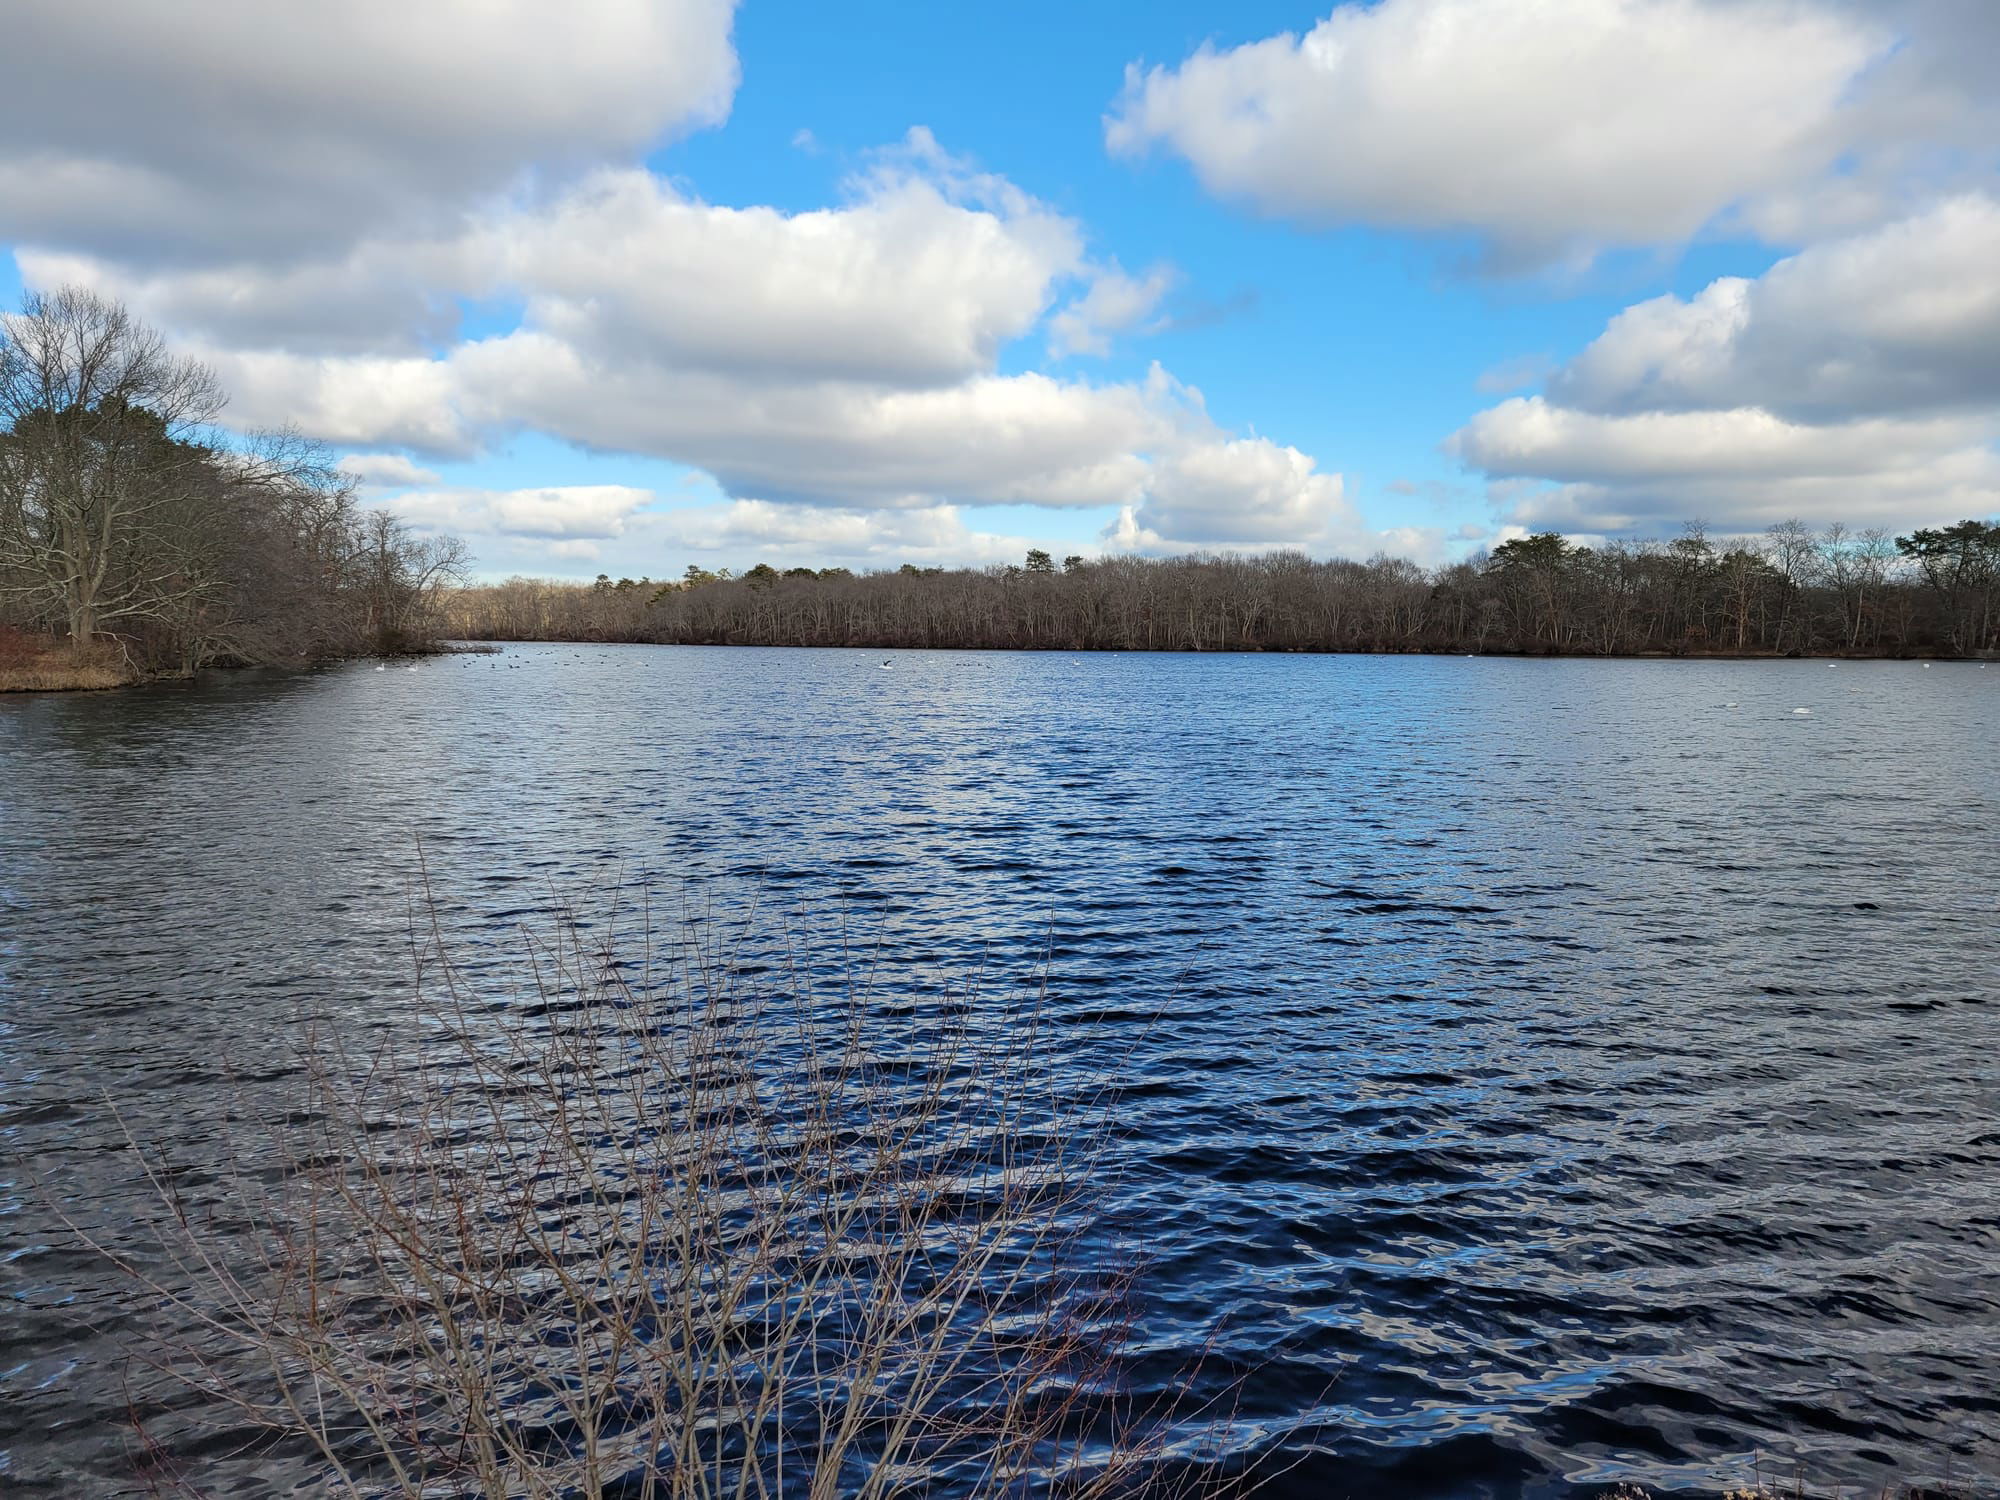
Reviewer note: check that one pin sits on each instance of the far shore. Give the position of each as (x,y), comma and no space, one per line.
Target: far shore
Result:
(1495,652)
(62,668)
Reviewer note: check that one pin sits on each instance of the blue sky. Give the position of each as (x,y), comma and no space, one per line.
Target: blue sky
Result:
(626,289)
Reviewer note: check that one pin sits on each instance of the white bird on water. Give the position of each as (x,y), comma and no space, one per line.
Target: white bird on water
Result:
(381,669)
(888,666)
(1802,711)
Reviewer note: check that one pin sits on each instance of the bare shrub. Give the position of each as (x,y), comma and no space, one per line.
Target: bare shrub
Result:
(681,1222)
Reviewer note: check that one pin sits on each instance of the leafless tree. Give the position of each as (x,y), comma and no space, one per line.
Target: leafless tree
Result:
(125,516)
(100,456)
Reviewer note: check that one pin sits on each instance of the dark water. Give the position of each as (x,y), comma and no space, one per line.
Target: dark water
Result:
(1570,1071)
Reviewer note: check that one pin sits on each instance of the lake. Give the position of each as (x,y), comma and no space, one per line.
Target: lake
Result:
(1552,1072)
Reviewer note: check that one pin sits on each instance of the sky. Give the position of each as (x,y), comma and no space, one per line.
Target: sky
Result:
(628,285)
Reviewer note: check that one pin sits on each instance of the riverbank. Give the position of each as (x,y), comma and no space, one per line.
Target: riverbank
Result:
(48,664)
(495,643)
(51,664)
(1552,600)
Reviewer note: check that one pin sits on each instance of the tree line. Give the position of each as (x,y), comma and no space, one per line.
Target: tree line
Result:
(126,521)
(1795,590)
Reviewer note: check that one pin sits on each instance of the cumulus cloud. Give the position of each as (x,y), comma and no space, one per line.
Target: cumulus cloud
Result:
(1238,492)
(857,449)
(210,129)
(1527,436)
(1113,304)
(1558,128)
(380,297)
(921,279)
(589,512)
(910,284)
(361,401)
(821,536)
(735,533)
(1936,489)
(1903,319)
(1739,469)
(1857,381)
(992,438)
(837,367)
(385,470)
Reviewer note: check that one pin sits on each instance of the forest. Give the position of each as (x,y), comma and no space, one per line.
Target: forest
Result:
(132,533)
(136,542)
(1793,591)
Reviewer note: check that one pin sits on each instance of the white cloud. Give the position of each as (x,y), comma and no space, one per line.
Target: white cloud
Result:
(920,280)
(1238,492)
(385,470)
(215,129)
(818,536)
(559,512)
(380,297)
(1857,381)
(1938,488)
(845,360)
(360,401)
(1739,469)
(909,284)
(1554,128)
(1527,436)
(1902,319)
(1114,303)
(993,439)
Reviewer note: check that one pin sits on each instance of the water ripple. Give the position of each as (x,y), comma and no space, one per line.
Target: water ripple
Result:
(1540,1073)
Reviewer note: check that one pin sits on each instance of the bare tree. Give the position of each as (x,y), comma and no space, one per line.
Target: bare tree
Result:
(101,448)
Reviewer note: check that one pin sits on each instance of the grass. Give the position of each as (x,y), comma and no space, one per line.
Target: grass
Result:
(679,1221)
(48,664)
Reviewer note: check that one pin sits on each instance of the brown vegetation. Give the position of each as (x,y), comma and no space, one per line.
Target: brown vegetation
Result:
(1792,592)
(128,525)
(677,1222)
(45,664)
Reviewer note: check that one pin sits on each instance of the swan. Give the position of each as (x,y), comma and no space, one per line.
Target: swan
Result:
(1802,711)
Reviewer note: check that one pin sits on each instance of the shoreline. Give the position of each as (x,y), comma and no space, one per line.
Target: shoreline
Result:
(67,669)
(1976,659)
(61,672)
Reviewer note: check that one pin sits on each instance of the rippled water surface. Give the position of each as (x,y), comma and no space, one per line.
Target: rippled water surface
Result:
(1566,1071)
